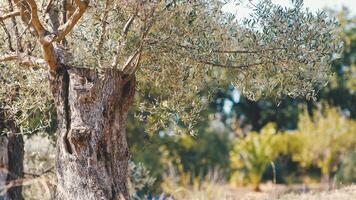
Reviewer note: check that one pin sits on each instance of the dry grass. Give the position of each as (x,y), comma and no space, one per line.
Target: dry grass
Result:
(219,191)
(226,193)
(347,193)
(214,187)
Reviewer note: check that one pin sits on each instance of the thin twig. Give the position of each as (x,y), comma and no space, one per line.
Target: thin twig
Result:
(231,51)
(14,23)
(232,66)
(48,170)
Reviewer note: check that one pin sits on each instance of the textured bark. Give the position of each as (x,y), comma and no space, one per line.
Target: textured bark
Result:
(4,163)
(92,151)
(11,160)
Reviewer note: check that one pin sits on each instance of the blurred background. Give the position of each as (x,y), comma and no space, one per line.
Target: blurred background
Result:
(246,149)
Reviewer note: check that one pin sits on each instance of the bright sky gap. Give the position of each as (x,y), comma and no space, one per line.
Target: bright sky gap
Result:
(243,10)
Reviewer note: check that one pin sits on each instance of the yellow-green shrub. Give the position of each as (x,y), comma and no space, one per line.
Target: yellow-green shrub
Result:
(253,153)
(322,140)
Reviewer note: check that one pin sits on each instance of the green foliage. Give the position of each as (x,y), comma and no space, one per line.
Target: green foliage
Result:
(139,179)
(253,153)
(323,139)
(191,157)
(302,59)
(193,48)
(347,171)
(186,46)
(279,52)
(25,99)
(341,90)
(197,155)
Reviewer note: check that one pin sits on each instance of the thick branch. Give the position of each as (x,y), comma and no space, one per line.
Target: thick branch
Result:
(66,28)
(129,61)
(25,15)
(8,57)
(29,14)
(24,59)
(47,47)
(64,19)
(35,19)
(9,15)
(122,42)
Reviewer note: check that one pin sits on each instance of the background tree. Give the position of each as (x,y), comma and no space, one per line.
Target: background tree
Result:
(173,49)
(323,140)
(25,109)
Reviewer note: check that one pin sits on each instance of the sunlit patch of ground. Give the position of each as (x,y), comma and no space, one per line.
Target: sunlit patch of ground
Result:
(346,193)
(269,192)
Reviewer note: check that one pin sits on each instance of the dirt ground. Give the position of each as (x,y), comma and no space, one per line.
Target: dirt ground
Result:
(294,192)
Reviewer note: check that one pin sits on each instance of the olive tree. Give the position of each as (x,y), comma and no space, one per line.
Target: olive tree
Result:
(99,53)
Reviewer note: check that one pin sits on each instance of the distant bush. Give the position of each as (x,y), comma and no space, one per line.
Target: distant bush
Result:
(251,155)
(347,171)
(322,140)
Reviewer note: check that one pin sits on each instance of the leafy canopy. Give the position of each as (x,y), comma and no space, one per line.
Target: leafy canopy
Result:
(177,48)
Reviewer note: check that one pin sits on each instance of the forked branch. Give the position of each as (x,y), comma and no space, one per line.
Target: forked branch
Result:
(66,28)
(122,42)
(28,11)
(35,20)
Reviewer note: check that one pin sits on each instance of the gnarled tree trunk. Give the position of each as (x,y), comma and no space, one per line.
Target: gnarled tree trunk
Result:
(11,160)
(92,151)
